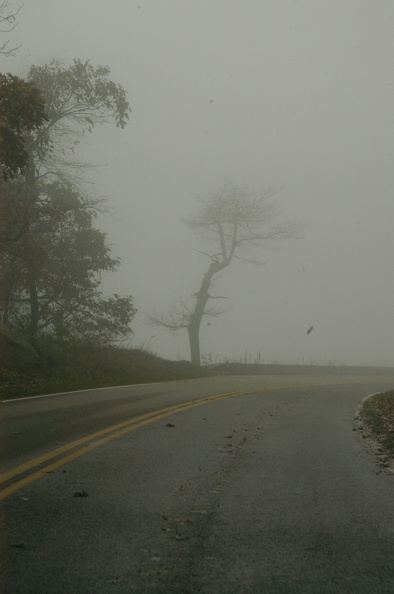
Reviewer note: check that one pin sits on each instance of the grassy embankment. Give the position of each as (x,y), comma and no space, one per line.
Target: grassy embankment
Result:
(64,368)
(77,367)
(378,415)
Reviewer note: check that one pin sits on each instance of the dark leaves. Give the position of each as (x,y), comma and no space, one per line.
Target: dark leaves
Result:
(81,494)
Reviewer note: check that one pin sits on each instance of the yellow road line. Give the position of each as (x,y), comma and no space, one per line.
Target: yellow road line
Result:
(98,438)
(101,437)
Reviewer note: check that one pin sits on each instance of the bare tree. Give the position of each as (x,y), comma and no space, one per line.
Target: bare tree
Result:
(7,24)
(232,220)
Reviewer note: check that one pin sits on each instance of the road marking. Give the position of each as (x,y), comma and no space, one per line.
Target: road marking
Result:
(83,445)
(86,444)
(23,398)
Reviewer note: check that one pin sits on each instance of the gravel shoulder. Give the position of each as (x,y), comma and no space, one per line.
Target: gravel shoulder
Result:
(375,420)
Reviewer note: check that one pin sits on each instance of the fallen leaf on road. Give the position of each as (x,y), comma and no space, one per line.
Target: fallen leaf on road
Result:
(80,494)
(170,425)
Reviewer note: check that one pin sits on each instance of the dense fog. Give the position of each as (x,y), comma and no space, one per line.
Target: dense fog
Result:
(296,95)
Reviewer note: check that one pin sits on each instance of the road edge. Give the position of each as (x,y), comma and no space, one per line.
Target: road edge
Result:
(384,460)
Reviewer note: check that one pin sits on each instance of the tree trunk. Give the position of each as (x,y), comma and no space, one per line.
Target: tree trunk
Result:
(34,307)
(201,301)
(194,341)
(31,252)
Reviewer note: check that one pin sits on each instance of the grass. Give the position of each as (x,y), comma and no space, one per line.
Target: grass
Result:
(287,369)
(378,414)
(65,368)
(68,367)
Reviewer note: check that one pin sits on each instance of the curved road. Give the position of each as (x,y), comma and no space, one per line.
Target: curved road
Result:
(238,484)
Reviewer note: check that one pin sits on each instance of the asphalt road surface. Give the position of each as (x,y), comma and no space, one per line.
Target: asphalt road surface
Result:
(235,485)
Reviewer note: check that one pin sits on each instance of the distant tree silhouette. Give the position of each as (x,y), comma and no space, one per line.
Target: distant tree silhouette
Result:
(232,220)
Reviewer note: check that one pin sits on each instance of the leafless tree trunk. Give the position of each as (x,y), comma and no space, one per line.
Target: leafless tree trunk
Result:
(202,298)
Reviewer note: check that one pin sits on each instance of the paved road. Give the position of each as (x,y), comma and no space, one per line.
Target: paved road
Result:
(261,492)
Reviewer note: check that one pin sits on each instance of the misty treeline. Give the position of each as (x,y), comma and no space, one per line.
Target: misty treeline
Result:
(52,255)
(232,221)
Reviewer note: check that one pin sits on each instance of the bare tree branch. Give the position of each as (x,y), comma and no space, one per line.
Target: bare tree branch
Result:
(175,319)
(7,20)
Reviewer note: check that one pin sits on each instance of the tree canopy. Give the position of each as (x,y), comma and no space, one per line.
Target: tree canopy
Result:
(52,253)
(22,111)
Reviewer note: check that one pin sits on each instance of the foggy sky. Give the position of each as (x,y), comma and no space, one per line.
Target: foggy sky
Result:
(297,94)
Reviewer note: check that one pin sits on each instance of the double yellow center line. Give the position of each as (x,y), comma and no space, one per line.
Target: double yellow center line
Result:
(23,474)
